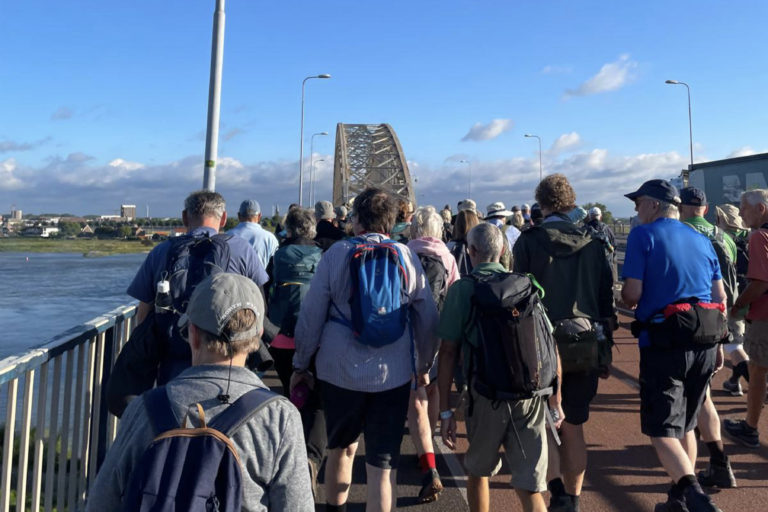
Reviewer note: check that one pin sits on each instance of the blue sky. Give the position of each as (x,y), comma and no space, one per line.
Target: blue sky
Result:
(103,103)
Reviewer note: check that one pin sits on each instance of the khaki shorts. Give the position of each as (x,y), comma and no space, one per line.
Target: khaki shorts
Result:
(488,430)
(756,342)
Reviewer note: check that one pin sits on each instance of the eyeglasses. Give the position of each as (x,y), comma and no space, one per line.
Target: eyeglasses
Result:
(638,202)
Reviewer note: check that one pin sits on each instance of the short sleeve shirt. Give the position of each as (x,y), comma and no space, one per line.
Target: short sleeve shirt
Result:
(456,322)
(243,261)
(673,261)
(758,271)
(703,226)
(264,243)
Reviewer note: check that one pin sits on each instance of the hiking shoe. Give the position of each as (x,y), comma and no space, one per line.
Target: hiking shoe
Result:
(313,470)
(561,503)
(734,388)
(717,476)
(697,501)
(671,505)
(431,487)
(739,431)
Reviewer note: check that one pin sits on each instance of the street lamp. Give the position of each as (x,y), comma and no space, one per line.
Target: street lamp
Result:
(301,152)
(469,164)
(311,157)
(690,122)
(214,98)
(312,176)
(541,173)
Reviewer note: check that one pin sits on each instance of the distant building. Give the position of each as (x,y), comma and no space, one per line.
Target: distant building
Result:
(50,220)
(16,215)
(86,231)
(128,211)
(41,231)
(110,217)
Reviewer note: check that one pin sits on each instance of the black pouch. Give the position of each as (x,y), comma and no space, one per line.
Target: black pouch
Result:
(701,324)
(577,344)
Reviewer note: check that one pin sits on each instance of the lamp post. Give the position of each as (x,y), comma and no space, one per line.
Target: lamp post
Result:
(541,173)
(690,122)
(214,98)
(301,146)
(312,172)
(311,157)
(469,164)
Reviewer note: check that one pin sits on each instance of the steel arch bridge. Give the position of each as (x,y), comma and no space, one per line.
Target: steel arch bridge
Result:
(369,155)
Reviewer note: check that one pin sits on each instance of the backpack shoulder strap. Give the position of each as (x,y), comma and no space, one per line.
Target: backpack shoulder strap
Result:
(159,410)
(244,408)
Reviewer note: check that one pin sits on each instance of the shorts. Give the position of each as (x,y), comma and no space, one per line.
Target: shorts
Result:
(578,391)
(380,417)
(489,429)
(756,342)
(673,384)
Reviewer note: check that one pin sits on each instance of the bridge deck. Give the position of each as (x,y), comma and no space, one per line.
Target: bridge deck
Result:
(624,473)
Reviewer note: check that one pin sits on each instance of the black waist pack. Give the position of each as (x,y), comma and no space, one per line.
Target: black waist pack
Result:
(685,324)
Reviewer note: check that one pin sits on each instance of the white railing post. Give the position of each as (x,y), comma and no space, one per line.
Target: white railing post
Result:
(50,467)
(95,424)
(77,433)
(10,427)
(26,428)
(61,485)
(87,405)
(37,465)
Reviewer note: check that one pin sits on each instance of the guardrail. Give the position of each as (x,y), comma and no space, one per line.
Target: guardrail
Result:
(62,445)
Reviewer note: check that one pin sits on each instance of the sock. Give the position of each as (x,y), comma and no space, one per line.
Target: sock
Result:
(427,462)
(717,453)
(575,500)
(556,487)
(743,369)
(336,508)
(688,481)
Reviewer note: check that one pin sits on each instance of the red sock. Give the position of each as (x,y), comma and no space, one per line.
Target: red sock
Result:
(427,462)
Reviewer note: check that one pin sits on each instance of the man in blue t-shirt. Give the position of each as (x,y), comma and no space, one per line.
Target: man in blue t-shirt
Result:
(666,261)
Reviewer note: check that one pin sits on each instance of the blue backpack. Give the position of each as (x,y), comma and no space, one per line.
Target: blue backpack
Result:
(192,469)
(379,297)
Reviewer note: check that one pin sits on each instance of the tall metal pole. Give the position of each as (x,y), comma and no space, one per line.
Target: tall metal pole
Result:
(301,145)
(311,158)
(541,172)
(214,98)
(690,120)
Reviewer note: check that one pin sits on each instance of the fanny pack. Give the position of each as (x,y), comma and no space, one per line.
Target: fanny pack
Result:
(577,344)
(686,323)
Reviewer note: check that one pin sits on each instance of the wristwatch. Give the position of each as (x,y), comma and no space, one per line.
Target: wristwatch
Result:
(444,415)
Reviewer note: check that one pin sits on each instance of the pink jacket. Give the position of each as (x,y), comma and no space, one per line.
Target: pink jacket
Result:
(435,247)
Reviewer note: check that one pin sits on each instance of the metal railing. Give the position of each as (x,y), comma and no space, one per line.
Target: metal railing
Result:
(64,426)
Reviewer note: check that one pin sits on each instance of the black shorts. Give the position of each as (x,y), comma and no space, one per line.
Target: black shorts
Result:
(380,417)
(578,391)
(673,384)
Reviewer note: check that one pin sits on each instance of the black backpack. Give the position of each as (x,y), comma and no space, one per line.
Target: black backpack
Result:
(461,254)
(742,260)
(515,357)
(727,267)
(437,277)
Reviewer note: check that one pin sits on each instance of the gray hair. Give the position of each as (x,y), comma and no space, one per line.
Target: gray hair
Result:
(204,204)
(426,223)
(488,242)
(301,222)
(669,210)
(756,197)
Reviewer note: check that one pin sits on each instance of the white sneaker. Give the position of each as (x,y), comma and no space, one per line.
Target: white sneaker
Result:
(733,389)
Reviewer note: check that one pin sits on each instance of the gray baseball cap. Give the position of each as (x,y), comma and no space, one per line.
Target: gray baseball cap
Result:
(324,210)
(217,298)
(250,207)
(341,211)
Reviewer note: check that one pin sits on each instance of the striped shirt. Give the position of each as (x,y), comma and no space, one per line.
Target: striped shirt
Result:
(341,359)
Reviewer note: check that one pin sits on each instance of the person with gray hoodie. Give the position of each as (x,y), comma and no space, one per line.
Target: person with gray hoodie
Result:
(224,323)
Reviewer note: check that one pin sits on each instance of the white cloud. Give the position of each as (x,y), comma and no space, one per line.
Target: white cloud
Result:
(565,143)
(62,113)
(480,131)
(556,70)
(611,77)
(124,165)
(8,180)
(744,151)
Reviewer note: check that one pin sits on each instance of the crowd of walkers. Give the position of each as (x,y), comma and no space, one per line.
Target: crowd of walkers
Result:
(377,316)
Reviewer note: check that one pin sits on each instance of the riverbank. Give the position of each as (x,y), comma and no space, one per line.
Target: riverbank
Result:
(84,246)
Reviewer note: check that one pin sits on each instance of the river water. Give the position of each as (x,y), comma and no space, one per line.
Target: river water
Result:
(42,295)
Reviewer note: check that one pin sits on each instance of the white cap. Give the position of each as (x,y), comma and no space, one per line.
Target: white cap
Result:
(595,212)
(525,207)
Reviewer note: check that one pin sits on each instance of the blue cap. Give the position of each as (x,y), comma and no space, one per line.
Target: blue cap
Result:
(250,207)
(692,196)
(657,189)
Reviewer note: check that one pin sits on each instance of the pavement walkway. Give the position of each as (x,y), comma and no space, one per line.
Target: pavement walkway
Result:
(623,475)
